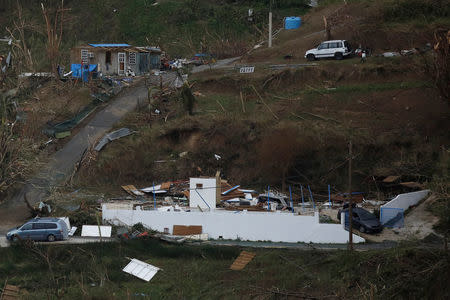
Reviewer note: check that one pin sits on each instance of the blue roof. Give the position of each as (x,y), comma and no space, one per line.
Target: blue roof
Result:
(109,45)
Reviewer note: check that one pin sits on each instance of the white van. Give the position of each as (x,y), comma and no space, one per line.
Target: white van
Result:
(336,48)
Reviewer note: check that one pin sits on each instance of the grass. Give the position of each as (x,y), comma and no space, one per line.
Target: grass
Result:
(193,272)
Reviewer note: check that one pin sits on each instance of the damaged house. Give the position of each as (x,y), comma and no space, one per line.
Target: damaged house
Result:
(116,59)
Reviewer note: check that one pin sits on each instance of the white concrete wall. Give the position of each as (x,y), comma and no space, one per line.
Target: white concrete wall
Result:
(208,193)
(252,226)
(406,200)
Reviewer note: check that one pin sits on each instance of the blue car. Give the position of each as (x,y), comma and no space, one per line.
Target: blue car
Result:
(40,229)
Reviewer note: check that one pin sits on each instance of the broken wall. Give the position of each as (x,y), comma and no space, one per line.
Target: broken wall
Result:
(406,200)
(252,226)
(202,193)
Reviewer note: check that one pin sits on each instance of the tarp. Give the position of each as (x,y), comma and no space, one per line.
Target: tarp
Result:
(82,71)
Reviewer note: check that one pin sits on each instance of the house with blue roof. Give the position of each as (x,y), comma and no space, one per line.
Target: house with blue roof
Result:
(115,59)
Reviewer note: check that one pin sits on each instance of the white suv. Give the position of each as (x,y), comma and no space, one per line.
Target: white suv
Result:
(336,48)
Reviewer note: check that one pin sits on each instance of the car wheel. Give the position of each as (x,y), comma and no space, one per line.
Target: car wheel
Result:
(51,238)
(362,229)
(310,57)
(15,239)
(338,56)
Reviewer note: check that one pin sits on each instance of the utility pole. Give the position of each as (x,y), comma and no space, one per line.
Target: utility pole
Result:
(270,25)
(350,202)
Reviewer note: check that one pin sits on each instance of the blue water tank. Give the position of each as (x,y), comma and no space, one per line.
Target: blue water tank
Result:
(292,22)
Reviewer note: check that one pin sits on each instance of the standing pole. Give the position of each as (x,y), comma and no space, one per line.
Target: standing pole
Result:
(154,198)
(350,202)
(268,197)
(329,195)
(303,198)
(292,203)
(270,25)
(310,194)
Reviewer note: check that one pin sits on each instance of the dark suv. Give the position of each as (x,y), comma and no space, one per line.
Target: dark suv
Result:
(40,229)
(363,220)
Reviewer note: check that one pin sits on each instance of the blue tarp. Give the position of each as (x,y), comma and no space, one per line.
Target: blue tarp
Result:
(109,45)
(84,74)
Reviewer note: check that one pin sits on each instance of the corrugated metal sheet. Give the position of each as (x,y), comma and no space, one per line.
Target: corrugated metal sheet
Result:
(141,269)
(109,45)
(111,137)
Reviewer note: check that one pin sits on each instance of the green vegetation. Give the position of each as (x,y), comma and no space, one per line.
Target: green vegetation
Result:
(95,271)
(180,27)
(427,10)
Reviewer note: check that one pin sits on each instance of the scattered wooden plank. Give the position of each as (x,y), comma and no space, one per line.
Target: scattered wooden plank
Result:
(187,230)
(166,185)
(132,190)
(242,100)
(10,292)
(243,259)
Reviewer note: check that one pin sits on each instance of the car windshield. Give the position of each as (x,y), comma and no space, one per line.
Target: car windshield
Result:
(365,215)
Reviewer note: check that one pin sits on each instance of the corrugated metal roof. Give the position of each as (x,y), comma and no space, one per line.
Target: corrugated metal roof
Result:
(141,269)
(109,45)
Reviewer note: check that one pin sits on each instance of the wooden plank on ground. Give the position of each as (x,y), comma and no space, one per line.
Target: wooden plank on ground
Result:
(187,230)
(166,185)
(10,292)
(243,259)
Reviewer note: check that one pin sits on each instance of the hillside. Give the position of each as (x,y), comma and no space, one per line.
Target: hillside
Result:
(179,27)
(301,119)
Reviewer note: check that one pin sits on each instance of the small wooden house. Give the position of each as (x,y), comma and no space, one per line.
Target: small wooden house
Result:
(117,59)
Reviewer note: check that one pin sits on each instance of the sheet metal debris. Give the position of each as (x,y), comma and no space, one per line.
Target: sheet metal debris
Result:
(132,190)
(72,231)
(243,259)
(95,231)
(112,136)
(141,269)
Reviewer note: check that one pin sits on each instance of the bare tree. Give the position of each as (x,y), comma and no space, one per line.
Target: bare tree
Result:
(17,33)
(54,24)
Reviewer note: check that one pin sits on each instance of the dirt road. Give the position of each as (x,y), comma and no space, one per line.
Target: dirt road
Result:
(61,165)
(219,64)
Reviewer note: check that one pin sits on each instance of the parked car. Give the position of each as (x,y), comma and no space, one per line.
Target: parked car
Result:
(40,229)
(336,48)
(363,220)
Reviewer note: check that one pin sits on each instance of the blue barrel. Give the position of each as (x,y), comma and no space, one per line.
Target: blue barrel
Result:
(292,22)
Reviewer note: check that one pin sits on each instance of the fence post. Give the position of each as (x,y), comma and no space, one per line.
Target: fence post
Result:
(329,195)
(303,198)
(292,203)
(310,194)
(154,198)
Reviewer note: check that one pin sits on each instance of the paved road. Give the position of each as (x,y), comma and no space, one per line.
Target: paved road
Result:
(72,240)
(61,165)
(223,63)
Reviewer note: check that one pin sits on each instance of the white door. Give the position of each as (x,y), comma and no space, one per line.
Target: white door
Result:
(322,50)
(121,63)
